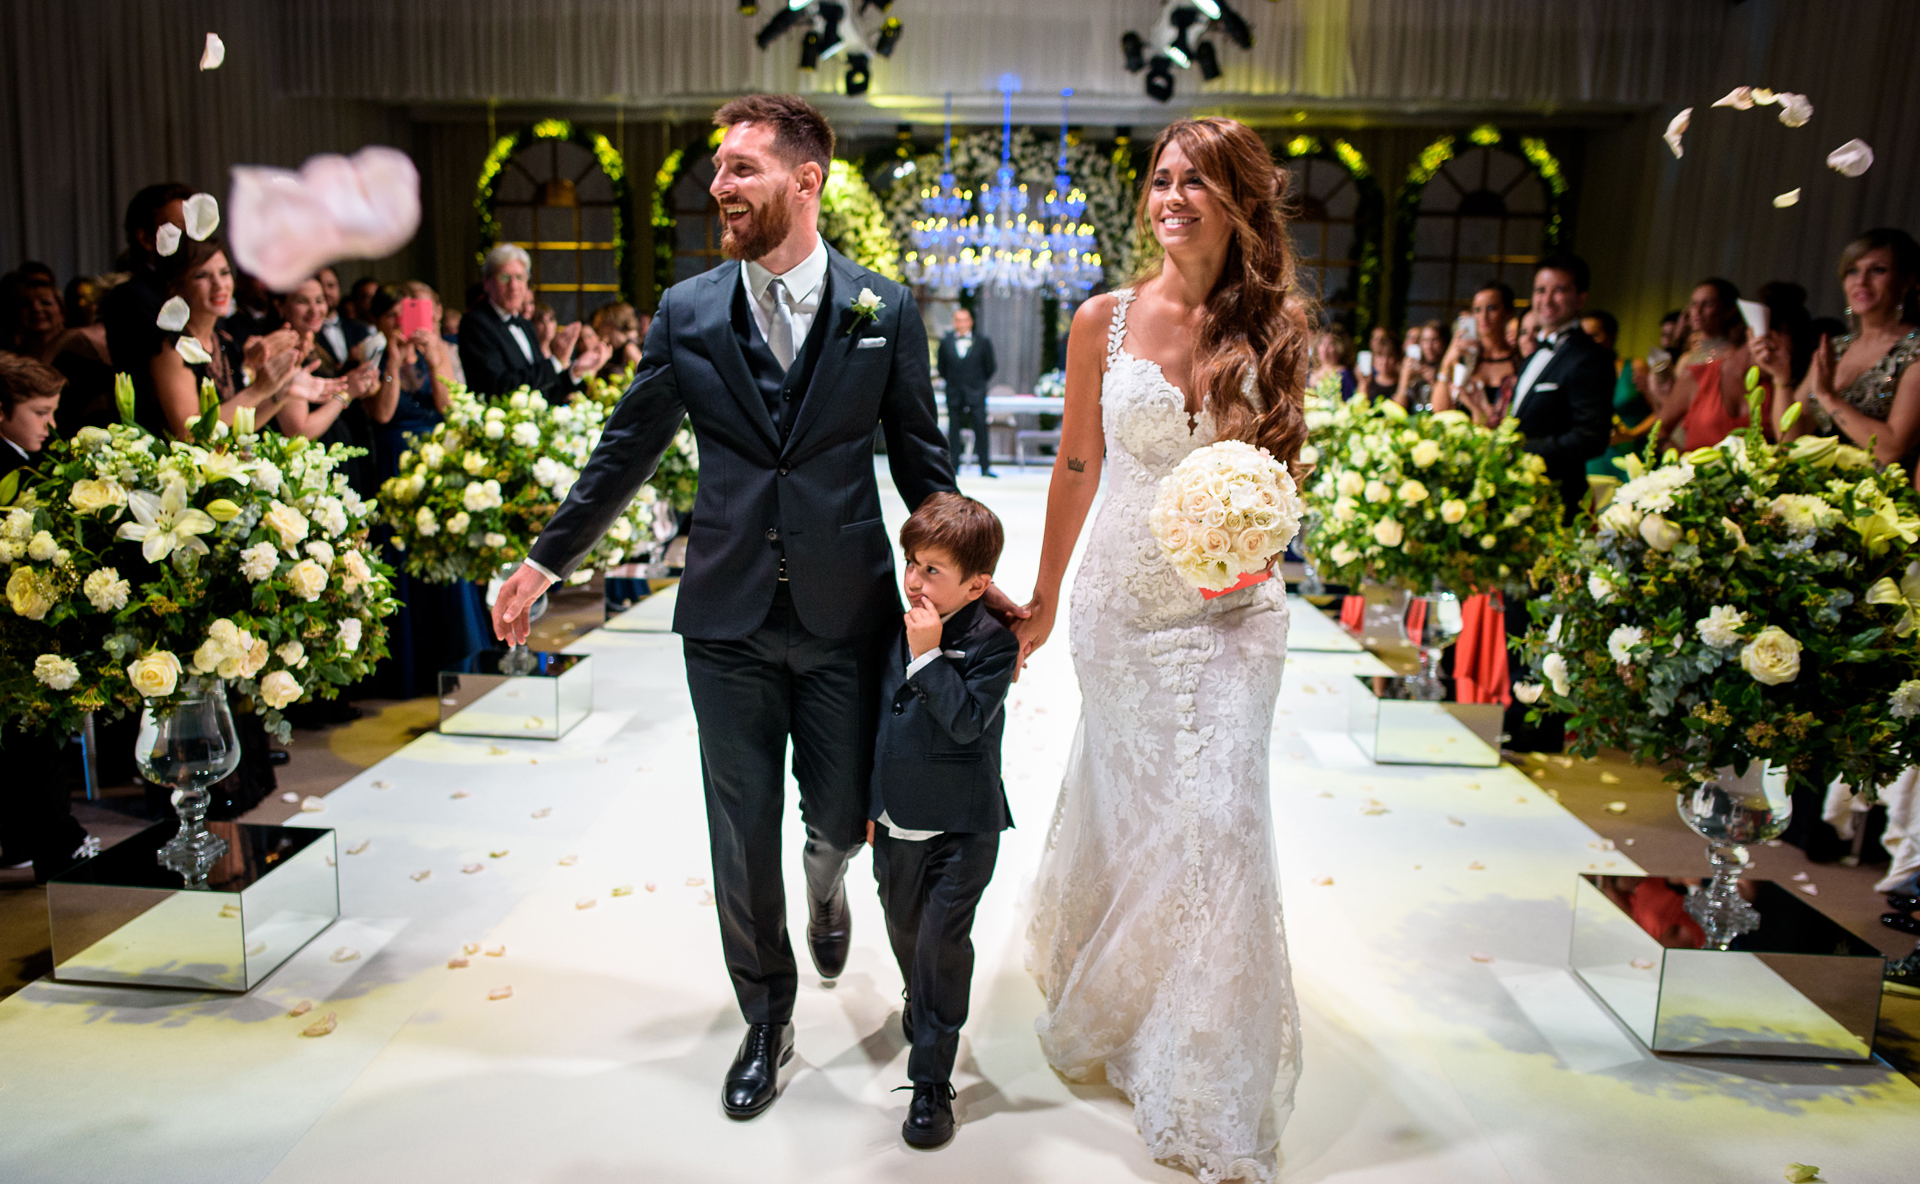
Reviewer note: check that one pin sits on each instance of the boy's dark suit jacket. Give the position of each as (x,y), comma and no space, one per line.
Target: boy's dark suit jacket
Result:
(937,763)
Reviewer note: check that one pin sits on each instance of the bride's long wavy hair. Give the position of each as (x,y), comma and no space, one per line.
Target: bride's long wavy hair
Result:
(1255,320)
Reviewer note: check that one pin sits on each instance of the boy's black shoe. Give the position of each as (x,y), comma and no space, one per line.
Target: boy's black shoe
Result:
(929,1116)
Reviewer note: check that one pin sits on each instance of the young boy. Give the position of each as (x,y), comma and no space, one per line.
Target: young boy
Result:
(29,396)
(938,803)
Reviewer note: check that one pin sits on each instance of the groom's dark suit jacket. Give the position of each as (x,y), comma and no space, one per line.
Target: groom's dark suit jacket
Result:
(807,493)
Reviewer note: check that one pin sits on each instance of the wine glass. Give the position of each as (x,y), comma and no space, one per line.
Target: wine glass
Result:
(188,747)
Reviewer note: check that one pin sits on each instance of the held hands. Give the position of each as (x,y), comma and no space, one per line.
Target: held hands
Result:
(1034,626)
(522,588)
(1009,614)
(923,627)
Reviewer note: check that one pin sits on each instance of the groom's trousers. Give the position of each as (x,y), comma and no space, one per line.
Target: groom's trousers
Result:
(750,696)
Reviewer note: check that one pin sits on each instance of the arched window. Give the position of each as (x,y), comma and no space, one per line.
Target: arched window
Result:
(1488,211)
(1334,209)
(560,194)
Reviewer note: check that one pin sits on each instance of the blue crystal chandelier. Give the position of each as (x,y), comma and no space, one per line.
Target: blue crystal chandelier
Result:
(1070,263)
(1007,245)
(943,239)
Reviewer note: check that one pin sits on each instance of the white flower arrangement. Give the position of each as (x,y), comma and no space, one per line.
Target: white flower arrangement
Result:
(1224,513)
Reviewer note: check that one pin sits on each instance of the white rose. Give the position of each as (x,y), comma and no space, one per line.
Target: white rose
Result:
(1620,517)
(56,672)
(433,456)
(20,525)
(1349,484)
(331,514)
(425,524)
(494,538)
(154,675)
(526,433)
(494,429)
(350,634)
(474,496)
(354,565)
(42,548)
(1621,641)
(1342,554)
(1425,453)
(258,561)
(105,590)
(1721,626)
(458,523)
(251,660)
(1904,703)
(30,595)
(1452,510)
(1527,692)
(89,496)
(287,522)
(293,654)
(1377,491)
(321,551)
(1388,533)
(1659,533)
(308,579)
(1772,657)
(1555,668)
(1411,493)
(473,462)
(1345,510)
(1600,587)
(279,689)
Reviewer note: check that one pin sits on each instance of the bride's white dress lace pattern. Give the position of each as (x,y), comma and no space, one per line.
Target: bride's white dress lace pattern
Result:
(1157,932)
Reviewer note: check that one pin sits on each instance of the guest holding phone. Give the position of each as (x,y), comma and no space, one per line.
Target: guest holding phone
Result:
(1481,368)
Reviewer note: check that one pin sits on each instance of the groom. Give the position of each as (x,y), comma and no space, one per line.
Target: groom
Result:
(785,363)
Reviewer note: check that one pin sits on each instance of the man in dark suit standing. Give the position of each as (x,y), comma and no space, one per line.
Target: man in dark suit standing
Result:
(966,362)
(1563,400)
(497,349)
(786,362)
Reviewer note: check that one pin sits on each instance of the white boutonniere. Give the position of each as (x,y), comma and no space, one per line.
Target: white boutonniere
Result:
(866,306)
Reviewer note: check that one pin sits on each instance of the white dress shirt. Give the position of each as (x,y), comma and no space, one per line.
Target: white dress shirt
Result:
(1536,365)
(519,335)
(335,337)
(962,344)
(805,283)
(24,454)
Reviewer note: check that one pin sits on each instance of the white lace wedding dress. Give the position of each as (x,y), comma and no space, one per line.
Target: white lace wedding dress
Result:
(1156,933)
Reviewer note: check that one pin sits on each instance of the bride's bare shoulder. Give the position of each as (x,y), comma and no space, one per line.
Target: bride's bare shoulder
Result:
(1096,312)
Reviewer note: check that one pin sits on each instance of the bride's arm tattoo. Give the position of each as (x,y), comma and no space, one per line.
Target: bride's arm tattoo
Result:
(1075,464)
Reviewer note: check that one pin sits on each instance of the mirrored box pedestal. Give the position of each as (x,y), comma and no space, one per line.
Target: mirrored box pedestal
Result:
(1395,722)
(121,918)
(1800,986)
(478,698)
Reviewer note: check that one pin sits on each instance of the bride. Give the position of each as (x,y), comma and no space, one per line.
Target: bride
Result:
(1157,933)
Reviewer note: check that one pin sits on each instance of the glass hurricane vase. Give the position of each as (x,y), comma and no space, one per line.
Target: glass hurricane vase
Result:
(1730,812)
(1431,623)
(519,659)
(188,747)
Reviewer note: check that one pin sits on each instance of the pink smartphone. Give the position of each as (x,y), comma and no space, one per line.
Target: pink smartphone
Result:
(415,313)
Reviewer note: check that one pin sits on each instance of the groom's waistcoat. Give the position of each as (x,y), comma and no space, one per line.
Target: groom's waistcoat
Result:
(798,483)
(781,390)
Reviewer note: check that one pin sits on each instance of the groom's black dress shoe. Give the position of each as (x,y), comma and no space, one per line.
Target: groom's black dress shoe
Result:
(1904,922)
(929,1116)
(829,931)
(1904,901)
(754,1080)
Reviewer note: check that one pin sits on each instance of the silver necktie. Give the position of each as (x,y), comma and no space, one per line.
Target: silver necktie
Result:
(780,325)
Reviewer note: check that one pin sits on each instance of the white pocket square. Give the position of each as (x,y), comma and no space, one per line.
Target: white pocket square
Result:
(870,343)
(1546,386)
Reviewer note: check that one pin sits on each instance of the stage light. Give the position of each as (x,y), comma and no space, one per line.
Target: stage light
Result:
(830,39)
(882,5)
(1235,26)
(1179,49)
(748,8)
(1160,79)
(858,73)
(888,38)
(1208,60)
(1136,51)
(1209,7)
(776,27)
(810,50)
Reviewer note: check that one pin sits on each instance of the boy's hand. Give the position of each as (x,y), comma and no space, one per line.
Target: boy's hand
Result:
(923,627)
(869,832)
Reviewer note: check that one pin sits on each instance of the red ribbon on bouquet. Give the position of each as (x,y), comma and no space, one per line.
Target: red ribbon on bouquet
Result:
(1246,581)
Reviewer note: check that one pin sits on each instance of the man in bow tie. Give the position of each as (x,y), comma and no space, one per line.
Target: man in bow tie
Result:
(1563,399)
(498,350)
(966,362)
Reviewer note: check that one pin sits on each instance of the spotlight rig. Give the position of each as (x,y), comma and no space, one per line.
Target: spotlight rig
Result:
(1181,38)
(829,29)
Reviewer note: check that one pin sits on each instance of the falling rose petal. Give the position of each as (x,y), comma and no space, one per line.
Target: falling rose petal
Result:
(500,854)
(1851,159)
(569,860)
(1795,110)
(499,993)
(473,868)
(1675,130)
(652,887)
(229,911)
(1740,97)
(1323,881)
(543,812)
(1325,793)
(359,847)
(312,805)
(287,225)
(381,785)
(1801,877)
(472,947)
(623,890)
(421,875)
(1477,956)
(457,963)
(214,54)
(293,798)
(1476,866)
(1764,96)
(706,896)
(1642,964)
(300,1008)
(1616,807)
(586,902)
(203,216)
(1810,889)
(497,952)
(174,313)
(695,881)
(1802,1173)
(166,240)
(321,1026)
(495,750)
(343,954)
(1373,807)
(1790,198)
(1452,821)
(1609,779)
(457,794)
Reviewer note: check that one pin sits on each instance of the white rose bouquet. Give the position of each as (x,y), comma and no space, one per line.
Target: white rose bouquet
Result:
(472,496)
(133,563)
(1426,499)
(1223,514)
(1742,602)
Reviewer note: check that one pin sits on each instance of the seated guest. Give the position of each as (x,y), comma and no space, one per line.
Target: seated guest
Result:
(619,326)
(1709,397)
(1383,376)
(304,311)
(545,326)
(31,316)
(357,304)
(1333,358)
(1422,366)
(497,344)
(82,301)
(29,403)
(1492,364)
(415,372)
(1633,416)
(132,307)
(450,325)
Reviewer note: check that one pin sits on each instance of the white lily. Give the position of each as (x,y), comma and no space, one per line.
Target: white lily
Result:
(165,523)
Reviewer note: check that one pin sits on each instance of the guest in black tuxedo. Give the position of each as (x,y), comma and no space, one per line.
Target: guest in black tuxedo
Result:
(966,362)
(938,803)
(1563,399)
(497,346)
(786,363)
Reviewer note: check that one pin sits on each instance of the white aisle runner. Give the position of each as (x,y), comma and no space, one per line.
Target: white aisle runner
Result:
(1444,1041)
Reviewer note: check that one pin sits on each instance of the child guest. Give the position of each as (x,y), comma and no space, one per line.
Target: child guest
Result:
(29,396)
(938,804)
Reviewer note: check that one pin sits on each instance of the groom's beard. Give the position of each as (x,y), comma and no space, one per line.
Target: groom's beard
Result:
(767,228)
